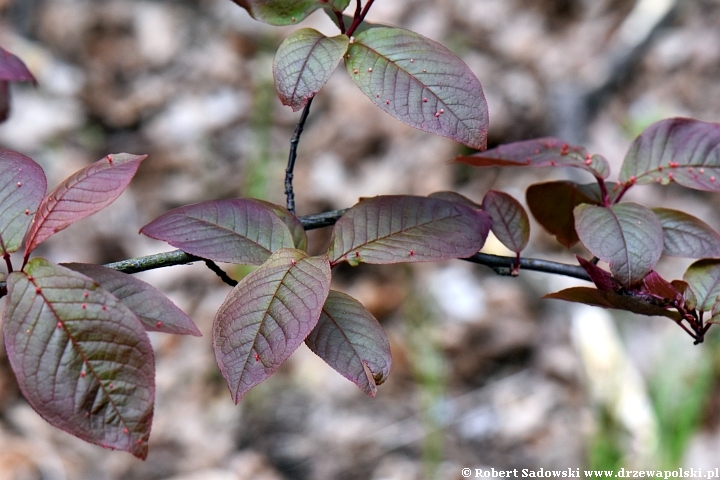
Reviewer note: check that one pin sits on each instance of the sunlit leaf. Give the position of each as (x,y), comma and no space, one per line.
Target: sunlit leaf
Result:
(22,188)
(352,342)
(394,229)
(552,205)
(82,359)
(87,191)
(287,12)
(628,236)
(687,236)
(703,277)
(608,299)
(267,316)
(541,152)
(237,230)
(154,310)
(680,150)
(304,63)
(419,82)
(510,222)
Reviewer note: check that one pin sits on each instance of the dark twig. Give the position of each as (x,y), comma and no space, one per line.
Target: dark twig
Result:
(504,265)
(220,273)
(289,193)
(359,17)
(341,22)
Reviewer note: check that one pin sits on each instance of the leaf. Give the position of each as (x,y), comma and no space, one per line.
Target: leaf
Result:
(628,236)
(304,63)
(293,223)
(13,69)
(352,342)
(81,358)
(419,82)
(394,229)
(703,277)
(552,205)
(87,191)
(510,222)
(686,236)
(608,299)
(154,310)
(660,288)
(689,299)
(237,230)
(287,12)
(680,150)
(267,316)
(541,152)
(22,187)
(602,279)
(455,197)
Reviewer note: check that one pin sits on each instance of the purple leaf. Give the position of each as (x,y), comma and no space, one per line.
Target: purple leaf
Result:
(628,236)
(352,342)
(238,230)
(680,150)
(22,188)
(687,236)
(510,222)
(602,279)
(660,288)
(689,298)
(287,12)
(87,191)
(455,197)
(421,83)
(12,69)
(541,152)
(608,299)
(267,316)
(703,277)
(552,205)
(395,229)
(304,63)
(154,310)
(82,359)
(293,223)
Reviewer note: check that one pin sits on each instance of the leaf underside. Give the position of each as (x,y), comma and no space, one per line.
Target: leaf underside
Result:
(395,229)
(287,12)
(82,359)
(511,224)
(608,299)
(352,342)
(703,277)
(419,82)
(267,316)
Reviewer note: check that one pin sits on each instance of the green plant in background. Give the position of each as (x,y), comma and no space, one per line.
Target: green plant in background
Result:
(76,334)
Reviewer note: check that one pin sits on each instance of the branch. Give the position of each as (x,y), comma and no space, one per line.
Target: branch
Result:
(289,193)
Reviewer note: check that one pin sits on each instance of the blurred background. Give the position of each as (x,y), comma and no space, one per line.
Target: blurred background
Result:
(485,373)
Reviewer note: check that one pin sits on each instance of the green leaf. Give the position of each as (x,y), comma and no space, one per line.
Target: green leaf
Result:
(552,205)
(628,236)
(686,236)
(82,359)
(680,150)
(510,221)
(297,230)
(304,63)
(267,316)
(703,277)
(287,12)
(238,230)
(609,299)
(395,229)
(352,342)
(421,83)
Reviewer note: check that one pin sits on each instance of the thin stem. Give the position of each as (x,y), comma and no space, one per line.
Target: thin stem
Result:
(8,262)
(341,22)
(624,190)
(359,17)
(289,175)
(220,273)
(603,191)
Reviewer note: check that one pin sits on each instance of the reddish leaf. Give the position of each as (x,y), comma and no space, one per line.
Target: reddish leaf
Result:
(628,236)
(552,205)
(703,277)
(602,279)
(607,299)
(660,288)
(394,229)
(419,82)
(22,187)
(87,191)
(541,152)
(154,310)
(82,359)
(455,197)
(287,12)
(13,69)
(238,230)
(293,223)
(267,316)
(689,299)
(304,63)
(510,221)
(680,150)
(687,236)
(352,342)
